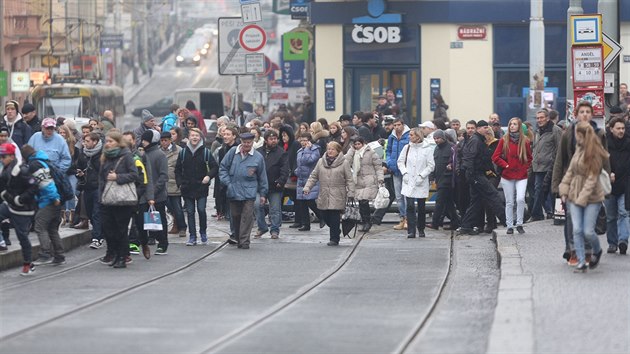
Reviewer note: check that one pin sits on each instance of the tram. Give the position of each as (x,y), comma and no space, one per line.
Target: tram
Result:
(72,100)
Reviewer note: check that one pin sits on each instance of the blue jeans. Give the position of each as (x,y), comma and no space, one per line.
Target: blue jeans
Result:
(400,199)
(275,212)
(72,203)
(200,203)
(93,210)
(617,226)
(174,205)
(22,226)
(584,220)
(540,200)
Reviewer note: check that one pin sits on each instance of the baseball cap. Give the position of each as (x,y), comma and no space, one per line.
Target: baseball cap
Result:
(49,122)
(7,149)
(427,124)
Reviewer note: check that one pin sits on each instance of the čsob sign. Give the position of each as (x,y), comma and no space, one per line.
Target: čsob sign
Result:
(367,29)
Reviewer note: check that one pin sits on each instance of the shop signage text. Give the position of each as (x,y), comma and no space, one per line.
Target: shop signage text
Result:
(471,32)
(378,34)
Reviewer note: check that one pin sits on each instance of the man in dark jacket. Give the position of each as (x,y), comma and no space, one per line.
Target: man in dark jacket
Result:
(19,189)
(19,131)
(617,227)
(277,175)
(30,117)
(545,145)
(443,156)
(482,192)
(88,165)
(155,194)
(194,169)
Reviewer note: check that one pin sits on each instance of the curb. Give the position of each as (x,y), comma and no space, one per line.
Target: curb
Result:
(513,326)
(13,258)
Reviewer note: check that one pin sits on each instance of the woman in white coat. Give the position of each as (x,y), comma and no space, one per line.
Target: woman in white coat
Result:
(416,163)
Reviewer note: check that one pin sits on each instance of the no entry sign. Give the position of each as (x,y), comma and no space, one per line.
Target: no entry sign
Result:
(252,38)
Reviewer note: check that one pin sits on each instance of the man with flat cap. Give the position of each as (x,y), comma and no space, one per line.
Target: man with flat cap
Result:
(243,172)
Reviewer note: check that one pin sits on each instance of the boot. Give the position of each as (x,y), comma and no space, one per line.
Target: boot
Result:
(70,218)
(402,225)
(174,230)
(368,226)
(63,218)
(120,262)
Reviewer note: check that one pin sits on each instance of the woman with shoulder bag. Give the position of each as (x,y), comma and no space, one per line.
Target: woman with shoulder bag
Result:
(367,175)
(514,156)
(416,163)
(335,188)
(581,190)
(307,157)
(117,166)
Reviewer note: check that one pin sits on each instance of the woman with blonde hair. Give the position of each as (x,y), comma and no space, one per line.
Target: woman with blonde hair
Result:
(336,185)
(334,129)
(320,136)
(513,156)
(67,213)
(581,190)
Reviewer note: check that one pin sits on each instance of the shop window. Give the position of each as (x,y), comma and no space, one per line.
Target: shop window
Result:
(555,44)
(511,45)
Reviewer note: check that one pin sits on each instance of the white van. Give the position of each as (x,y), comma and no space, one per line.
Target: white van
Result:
(209,101)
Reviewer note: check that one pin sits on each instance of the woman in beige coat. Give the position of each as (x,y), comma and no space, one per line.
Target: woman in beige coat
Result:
(581,190)
(335,187)
(367,174)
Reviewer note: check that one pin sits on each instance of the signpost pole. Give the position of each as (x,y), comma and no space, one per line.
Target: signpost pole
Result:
(575,8)
(236,98)
(610,25)
(536,60)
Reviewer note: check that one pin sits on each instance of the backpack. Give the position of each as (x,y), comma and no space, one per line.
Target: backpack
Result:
(206,157)
(64,188)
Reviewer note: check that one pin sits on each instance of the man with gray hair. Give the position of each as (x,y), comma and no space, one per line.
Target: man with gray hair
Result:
(147,123)
(545,145)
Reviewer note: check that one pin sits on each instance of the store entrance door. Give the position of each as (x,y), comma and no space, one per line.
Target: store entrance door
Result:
(363,86)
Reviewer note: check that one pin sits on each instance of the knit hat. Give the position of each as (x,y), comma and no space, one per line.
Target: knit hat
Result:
(7,149)
(4,129)
(13,104)
(482,123)
(439,134)
(27,151)
(146,115)
(28,108)
(151,136)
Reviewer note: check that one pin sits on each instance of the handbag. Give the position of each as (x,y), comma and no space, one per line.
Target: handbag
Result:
(351,211)
(152,220)
(382,198)
(115,194)
(604,182)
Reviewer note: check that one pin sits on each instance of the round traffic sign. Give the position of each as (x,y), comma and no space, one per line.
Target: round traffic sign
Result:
(252,38)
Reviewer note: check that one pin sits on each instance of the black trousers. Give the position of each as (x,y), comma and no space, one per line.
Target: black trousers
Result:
(412,220)
(143,236)
(302,216)
(482,193)
(444,205)
(462,199)
(116,219)
(333,220)
(364,210)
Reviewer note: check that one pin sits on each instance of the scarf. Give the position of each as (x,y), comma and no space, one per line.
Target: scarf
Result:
(93,151)
(111,153)
(330,160)
(514,137)
(356,162)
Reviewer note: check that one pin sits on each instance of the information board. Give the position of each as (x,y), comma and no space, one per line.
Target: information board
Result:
(588,66)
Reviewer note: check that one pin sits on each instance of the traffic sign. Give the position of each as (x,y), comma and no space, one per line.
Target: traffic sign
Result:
(251,12)
(113,41)
(231,55)
(252,38)
(586,29)
(255,63)
(612,50)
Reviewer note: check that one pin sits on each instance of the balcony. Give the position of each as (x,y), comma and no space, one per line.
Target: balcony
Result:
(22,33)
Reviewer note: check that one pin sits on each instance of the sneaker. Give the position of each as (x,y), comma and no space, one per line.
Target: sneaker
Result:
(580,268)
(411,236)
(274,236)
(566,255)
(232,241)
(43,261)
(27,269)
(573,260)
(107,259)
(96,244)
(203,239)
(520,230)
(58,261)
(595,259)
(134,249)
(151,241)
(182,233)
(588,258)
(259,233)
(128,260)
(161,252)
(510,231)
(611,249)
(623,247)
(192,240)
(3,248)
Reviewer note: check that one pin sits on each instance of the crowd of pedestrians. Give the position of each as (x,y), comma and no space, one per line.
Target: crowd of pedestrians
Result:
(480,177)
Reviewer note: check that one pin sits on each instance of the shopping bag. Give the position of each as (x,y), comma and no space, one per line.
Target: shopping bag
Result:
(382,198)
(152,220)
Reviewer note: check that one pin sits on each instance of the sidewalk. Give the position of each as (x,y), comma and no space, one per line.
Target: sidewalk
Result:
(544,307)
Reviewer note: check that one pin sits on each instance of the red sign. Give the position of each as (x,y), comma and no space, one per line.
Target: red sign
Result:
(471,32)
(594,96)
(252,38)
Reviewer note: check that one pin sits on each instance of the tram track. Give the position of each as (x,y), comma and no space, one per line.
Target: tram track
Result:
(109,296)
(62,270)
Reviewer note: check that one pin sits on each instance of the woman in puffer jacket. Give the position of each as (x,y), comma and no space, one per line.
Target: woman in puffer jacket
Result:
(307,157)
(367,174)
(416,164)
(581,190)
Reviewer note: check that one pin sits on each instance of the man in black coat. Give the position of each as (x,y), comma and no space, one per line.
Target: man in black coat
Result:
(617,227)
(88,166)
(276,164)
(19,131)
(482,192)
(443,156)
(30,117)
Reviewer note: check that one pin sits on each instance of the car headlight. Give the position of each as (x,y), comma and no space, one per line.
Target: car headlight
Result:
(179,58)
(206,46)
(204,51)
(196,58)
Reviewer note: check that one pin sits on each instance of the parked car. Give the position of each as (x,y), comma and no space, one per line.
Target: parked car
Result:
(160,108)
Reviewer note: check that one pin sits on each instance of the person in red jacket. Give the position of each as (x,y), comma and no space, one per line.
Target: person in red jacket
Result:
(514,156)
(190,106)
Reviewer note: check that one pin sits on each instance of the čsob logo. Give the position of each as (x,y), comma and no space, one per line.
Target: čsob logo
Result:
(376,11)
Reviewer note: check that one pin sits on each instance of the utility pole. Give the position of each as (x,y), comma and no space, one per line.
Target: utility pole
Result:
(610,25)
(145,35)
(51,51)
(1,35)
(575,8)
(536,59)
(117,61)
(134,43)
